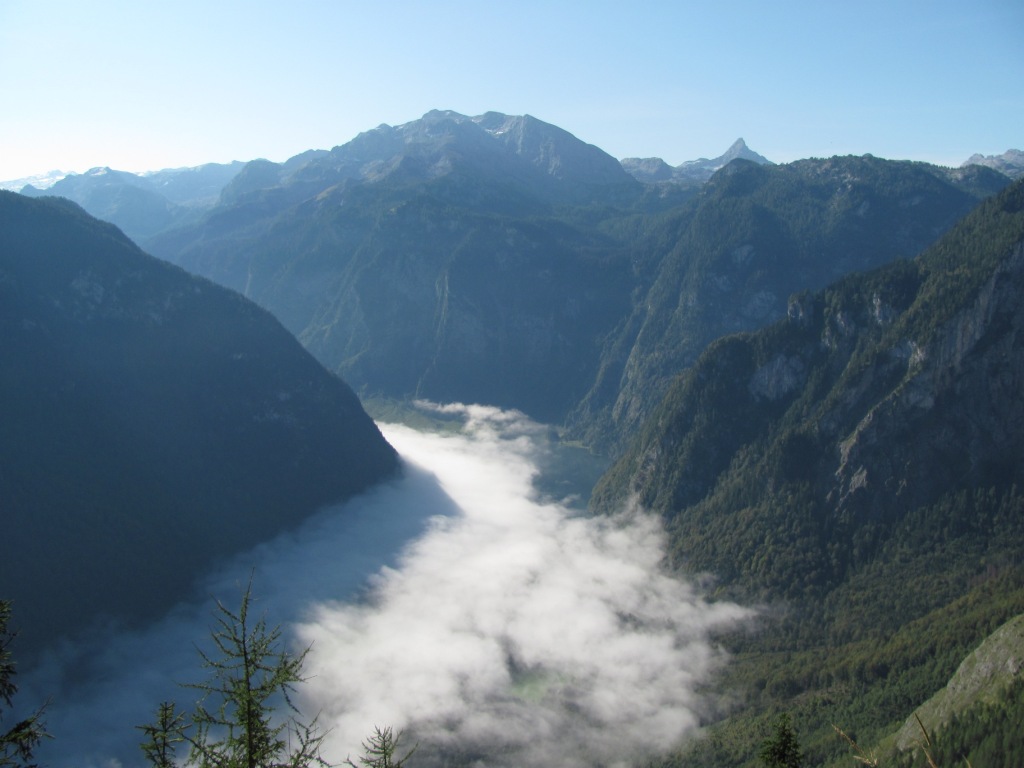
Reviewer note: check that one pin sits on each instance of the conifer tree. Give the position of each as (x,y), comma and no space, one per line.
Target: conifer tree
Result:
(18,742)
(782,750)
(380,749)
(233,724)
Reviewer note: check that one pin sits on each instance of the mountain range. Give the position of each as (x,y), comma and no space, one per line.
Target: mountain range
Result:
(143,205)
(498,259)
(811,371)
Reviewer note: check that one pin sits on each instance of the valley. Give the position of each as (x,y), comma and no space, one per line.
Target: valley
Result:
(717,443)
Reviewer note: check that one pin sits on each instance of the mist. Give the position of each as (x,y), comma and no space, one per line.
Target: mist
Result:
(457,604)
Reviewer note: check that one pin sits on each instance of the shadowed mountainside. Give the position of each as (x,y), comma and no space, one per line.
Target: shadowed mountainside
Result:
(153,422)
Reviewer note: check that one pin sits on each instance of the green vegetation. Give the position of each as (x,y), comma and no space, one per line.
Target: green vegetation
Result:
(18,742)
(988,735)
(856,469)
(380,750)
(234,723)
(782,749)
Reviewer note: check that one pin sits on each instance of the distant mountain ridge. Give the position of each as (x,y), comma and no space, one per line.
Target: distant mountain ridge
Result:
(143,204)
(499,258)
(519,153)
(38,181)
(1011,162)
(654,169)
(153,422)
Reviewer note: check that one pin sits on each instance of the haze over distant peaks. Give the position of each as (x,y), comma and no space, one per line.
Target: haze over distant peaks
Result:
(652,169)
(39,181)
(140,204)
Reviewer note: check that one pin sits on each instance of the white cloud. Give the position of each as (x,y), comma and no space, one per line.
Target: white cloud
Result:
(517,629)
(455,603)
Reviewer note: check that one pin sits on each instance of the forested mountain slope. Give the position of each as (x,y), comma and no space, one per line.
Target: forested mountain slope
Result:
(152,422)
(500,259)
(858,464)
(729,260)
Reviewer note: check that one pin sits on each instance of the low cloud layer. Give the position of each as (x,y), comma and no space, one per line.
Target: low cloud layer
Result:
(456,605)
(517,630)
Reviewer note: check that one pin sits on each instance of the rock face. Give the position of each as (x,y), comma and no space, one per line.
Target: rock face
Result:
(956,405)
(878,397)
(755,236)
(153,422)
(1011,162)
(987,671)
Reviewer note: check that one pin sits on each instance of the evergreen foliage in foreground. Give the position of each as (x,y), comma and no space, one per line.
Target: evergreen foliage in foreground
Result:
(782,750)
(381,750)
(233,724)
(18,742)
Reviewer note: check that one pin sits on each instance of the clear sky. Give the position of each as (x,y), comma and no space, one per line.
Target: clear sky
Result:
(150,84)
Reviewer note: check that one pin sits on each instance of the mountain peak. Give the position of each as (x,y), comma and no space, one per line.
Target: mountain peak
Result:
(1011,162)
(655,169)
(520,149)
(739,149)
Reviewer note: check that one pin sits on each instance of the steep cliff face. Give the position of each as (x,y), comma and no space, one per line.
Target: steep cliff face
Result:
(875,398)
(954,419)
(856,466)
(756,235)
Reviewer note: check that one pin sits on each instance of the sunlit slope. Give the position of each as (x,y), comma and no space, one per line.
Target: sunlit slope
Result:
(860,461)
(729,260)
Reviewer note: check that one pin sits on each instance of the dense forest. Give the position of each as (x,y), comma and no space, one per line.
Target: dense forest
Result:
(856,467)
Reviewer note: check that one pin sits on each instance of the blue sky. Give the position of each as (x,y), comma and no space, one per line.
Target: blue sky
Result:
(153,84)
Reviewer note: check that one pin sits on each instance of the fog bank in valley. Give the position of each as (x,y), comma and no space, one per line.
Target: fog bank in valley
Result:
(455,604)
